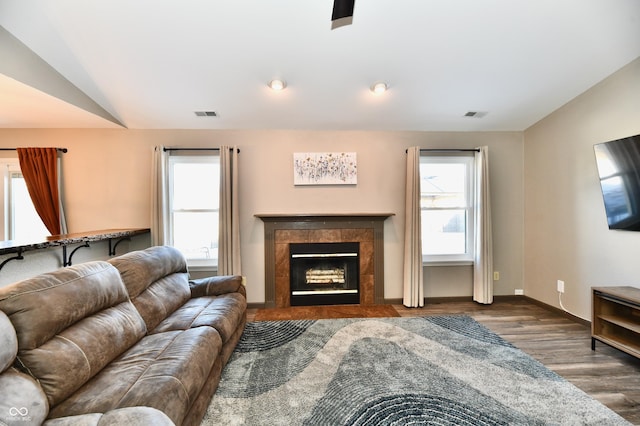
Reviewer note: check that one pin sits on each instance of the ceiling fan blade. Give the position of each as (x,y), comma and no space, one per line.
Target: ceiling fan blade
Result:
(342,9)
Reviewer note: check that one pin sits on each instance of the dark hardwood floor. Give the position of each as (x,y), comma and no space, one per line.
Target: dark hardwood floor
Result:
(560,343)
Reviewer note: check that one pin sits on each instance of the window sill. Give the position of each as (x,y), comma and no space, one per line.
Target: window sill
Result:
(201,266)
(447,263)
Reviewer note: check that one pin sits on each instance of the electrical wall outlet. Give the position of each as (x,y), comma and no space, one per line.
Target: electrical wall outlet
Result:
(560,286)
(496,275)
(519,292)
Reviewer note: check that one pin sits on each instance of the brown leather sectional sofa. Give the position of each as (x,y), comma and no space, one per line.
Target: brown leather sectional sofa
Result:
(126,341)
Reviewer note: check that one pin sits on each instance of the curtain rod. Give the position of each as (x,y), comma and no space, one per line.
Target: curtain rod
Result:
(15,149)
(446,150)
(196,149)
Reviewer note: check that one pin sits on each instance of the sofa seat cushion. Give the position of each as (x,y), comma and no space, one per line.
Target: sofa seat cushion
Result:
(165,371)
(224,313)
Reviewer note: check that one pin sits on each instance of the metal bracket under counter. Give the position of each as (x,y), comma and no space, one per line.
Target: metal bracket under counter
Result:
(83,238)
(67,262)
(18,257)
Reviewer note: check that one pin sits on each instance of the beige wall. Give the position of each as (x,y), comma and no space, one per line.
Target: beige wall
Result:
(107,181)
(566,234)
(548,214)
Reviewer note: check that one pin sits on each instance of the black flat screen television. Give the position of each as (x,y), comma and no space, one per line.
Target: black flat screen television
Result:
(618,164)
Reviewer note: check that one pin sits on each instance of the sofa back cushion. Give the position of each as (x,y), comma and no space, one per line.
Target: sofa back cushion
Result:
(70,323)
(157,281)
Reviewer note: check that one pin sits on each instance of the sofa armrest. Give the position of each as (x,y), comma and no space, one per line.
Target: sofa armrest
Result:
(130,416)
(215,286)
(22,400)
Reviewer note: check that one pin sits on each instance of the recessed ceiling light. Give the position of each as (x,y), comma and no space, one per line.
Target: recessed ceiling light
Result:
(379,88)
(277,84)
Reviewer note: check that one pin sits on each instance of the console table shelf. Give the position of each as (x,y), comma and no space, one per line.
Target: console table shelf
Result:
(616,318)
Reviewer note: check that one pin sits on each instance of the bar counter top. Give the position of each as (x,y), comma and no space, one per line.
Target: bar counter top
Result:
(17,246)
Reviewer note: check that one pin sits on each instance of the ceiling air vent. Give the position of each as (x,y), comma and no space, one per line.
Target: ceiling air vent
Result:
(206,114)
(476,114)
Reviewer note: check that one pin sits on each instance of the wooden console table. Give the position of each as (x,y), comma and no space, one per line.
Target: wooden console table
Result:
(616,318)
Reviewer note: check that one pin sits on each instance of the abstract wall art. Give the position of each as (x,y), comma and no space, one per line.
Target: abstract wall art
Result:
(325,168)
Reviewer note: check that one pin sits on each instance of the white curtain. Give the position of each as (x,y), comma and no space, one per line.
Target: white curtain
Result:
(229,237)
(159,202)
(483,262)
(413,285)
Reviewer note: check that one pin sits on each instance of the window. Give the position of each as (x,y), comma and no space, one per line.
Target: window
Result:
(446,187)
(194,204)
(21,221)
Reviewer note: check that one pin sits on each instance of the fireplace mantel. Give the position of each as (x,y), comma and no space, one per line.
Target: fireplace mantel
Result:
(314,217)
(282,229)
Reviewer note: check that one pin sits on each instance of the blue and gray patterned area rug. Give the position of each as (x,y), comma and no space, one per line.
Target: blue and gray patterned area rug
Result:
(446,370)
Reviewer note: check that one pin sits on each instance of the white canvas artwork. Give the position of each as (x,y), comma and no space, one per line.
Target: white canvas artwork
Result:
(325,168)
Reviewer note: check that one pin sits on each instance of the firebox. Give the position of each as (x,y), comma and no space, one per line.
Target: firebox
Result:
(324,273)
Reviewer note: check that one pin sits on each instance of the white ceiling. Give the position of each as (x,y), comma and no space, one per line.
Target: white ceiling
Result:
(152,63)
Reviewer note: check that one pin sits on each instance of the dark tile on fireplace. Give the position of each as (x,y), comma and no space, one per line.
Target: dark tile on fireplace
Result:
(366,257)
(282,296)
(282,301)
(367,293)
(324,235)
(291,235)
(356,234)
(282,260)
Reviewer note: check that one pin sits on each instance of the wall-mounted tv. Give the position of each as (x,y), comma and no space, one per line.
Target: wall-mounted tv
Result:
(618,163)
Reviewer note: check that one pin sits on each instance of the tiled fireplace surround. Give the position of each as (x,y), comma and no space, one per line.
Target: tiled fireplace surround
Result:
(280,230)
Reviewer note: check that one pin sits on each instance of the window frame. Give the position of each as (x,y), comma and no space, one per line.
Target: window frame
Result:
(208,264)
(11,167)
(468,160)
